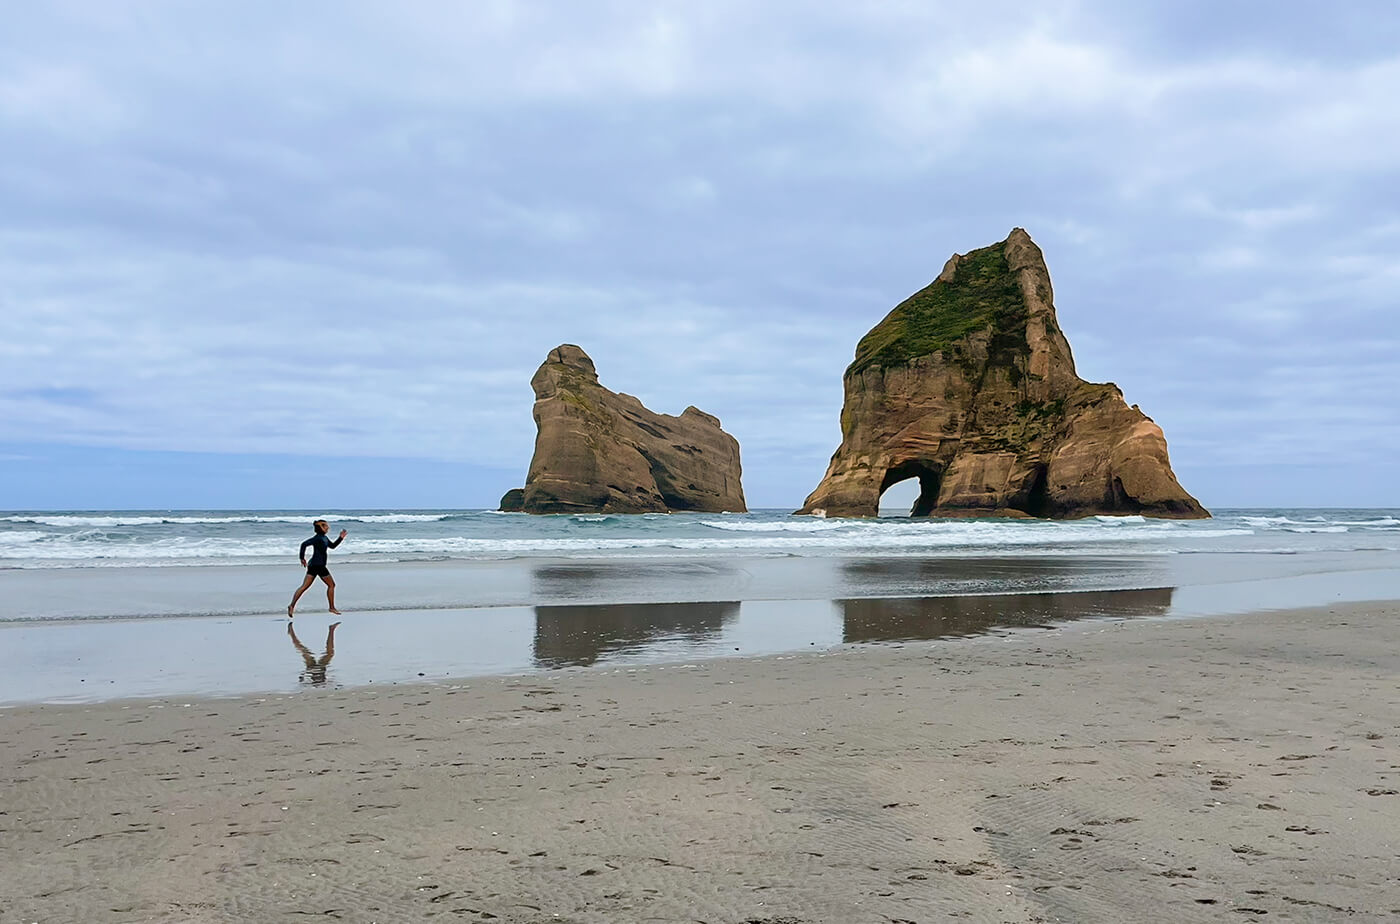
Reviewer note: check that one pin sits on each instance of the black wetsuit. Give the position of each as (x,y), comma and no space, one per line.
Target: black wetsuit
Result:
(319,543)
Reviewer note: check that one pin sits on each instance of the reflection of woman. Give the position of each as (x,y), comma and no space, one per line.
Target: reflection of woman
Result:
(315,672)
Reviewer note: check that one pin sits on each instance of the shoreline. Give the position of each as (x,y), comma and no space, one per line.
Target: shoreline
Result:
(240,590)
(1146,769)
(91,660)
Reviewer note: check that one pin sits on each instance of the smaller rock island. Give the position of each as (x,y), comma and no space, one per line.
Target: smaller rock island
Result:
(598,451)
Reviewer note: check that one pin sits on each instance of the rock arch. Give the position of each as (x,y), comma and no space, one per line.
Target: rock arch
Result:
(930,477)
(969,384)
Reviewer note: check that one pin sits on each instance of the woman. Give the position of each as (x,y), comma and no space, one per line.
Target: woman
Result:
(317,568)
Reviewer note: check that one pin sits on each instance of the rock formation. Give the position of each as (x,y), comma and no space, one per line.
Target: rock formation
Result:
(601,452)
(969,386)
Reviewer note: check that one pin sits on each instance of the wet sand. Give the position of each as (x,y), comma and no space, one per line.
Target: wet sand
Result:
(1234,768)
(121,592)
(95,659)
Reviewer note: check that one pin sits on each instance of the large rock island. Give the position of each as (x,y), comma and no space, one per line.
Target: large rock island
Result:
(602,452)
(969,386)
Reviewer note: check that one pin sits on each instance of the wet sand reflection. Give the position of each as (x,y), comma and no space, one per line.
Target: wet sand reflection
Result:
(600,580)
(578,635)
(900,576)
(315,672)
(924,618)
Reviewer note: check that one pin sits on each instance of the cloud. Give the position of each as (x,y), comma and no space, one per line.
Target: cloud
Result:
(353,228)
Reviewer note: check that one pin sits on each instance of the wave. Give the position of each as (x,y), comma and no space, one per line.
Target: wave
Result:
(923,536)
(68,539)
(72,520)
(908,526)
(796,525)
(1319,522)
(21,539)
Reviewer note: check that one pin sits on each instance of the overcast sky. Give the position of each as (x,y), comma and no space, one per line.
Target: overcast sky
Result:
(309,254)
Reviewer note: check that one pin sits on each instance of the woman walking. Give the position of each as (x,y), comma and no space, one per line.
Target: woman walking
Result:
(319,544)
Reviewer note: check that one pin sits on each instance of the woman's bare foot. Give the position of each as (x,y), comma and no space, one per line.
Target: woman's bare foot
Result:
(335,611)
(289,611)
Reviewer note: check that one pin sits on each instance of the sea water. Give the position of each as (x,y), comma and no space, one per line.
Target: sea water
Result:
(108,604)
(186,538)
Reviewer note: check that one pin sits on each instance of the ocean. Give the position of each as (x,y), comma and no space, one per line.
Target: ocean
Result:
(108,604)
(185,538)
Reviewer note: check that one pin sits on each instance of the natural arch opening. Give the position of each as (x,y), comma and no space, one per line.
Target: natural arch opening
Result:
(1121,500)
(1037,499)
(930,478)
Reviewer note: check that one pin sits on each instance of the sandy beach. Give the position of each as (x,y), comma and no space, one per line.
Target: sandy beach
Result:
(1234,768)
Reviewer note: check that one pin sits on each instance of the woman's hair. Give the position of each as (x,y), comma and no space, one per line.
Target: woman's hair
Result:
(321,526)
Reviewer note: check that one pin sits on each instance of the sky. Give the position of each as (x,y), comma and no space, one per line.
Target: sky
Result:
(309,255)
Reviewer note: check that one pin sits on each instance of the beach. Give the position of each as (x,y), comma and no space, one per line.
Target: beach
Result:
(528,462)
(1229,768)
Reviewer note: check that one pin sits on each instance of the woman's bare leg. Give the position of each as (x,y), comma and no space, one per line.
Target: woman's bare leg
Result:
(310,579)
(330,593)
(330,645)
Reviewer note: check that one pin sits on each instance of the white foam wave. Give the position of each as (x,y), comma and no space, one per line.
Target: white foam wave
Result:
(21,536)
(77,548)
(922,536)
(178,538)
(1268,521)
(1316,523)
(74,520)
(795,525)
(1037,530)
(391,517)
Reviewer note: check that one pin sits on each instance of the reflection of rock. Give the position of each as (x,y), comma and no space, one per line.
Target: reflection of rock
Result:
(602,452)
(652,581)
(580,635)
(942,577)
(969,386)
(911,618)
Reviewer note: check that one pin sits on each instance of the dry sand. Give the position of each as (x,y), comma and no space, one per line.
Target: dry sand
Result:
(1231,769)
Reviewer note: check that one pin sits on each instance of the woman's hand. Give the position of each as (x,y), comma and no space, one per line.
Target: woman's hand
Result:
(342,534)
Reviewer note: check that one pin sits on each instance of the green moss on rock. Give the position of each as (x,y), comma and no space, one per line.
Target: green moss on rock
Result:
(1048,410)
(982,294)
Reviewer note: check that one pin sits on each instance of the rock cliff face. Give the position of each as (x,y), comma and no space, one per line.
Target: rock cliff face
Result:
(602,452)
(969,386)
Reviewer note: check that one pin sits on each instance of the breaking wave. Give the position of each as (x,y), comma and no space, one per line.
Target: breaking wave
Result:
(67,539)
